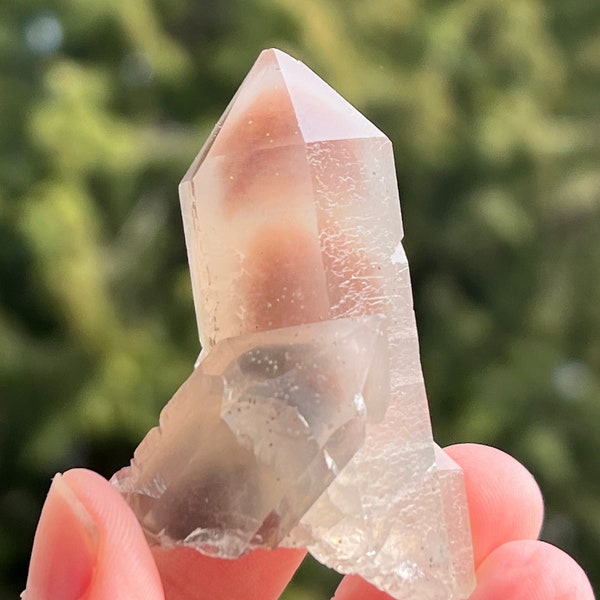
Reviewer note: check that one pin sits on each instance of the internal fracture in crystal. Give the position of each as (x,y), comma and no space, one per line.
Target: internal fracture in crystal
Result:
(292,217)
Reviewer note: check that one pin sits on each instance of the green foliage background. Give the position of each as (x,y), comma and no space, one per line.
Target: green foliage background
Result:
(494,110)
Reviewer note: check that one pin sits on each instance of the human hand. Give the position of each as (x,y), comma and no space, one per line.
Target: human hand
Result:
(89,545)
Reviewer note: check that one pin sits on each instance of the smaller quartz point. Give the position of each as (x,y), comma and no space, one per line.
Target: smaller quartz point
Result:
(257,433)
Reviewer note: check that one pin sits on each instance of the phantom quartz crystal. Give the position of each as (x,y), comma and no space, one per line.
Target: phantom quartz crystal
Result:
(305,423)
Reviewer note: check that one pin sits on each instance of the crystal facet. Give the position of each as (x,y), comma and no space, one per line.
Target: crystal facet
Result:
(291,216)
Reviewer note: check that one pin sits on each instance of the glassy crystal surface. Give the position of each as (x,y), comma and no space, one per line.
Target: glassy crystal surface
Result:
(292,216)
(257,433)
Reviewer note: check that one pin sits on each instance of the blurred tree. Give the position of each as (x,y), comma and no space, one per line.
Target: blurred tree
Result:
(493,108)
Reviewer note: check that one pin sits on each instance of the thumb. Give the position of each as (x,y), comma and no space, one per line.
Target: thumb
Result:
(89,545)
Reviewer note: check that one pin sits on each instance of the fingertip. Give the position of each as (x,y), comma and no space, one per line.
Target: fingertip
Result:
(125,568)
(531,570)
(505,502)
(119,564)
(65,547)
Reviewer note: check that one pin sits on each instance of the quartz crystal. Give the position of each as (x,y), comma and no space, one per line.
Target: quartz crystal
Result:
(292,224)
(257,433)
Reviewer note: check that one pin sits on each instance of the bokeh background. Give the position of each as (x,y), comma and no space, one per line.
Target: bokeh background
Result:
(494,110)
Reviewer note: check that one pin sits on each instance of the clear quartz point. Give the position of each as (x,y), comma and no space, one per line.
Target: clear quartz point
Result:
(257,433)
(292,217)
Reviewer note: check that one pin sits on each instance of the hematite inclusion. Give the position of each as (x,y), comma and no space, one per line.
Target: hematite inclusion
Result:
(291,216)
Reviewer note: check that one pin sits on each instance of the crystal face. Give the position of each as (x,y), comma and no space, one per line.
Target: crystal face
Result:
(292,218)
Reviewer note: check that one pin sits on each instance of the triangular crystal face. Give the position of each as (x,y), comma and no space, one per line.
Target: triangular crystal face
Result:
(322,114)
(292,219)
(252,114)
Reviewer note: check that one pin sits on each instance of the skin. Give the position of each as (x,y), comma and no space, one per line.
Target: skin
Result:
(88,545)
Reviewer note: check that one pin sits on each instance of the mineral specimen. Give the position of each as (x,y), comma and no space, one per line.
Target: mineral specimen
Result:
(292,224)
